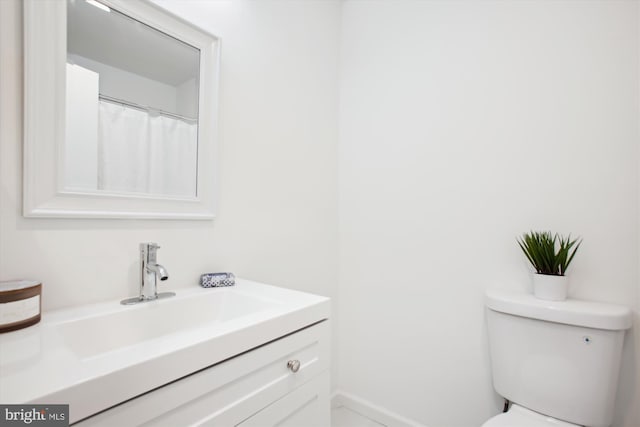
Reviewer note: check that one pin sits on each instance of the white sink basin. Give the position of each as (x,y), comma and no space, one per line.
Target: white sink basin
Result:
(93,357)
(110,331)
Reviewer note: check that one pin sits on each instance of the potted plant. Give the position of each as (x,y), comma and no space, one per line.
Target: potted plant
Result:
(550,255)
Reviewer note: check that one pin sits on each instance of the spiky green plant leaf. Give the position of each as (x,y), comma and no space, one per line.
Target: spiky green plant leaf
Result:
(549,253)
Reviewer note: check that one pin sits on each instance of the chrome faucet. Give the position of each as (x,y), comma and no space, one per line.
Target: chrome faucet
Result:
(150,272)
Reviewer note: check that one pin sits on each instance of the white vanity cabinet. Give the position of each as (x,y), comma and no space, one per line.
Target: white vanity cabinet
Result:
(254,388)
(207,356)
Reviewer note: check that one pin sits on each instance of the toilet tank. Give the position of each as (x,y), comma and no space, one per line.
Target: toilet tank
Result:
(558,358)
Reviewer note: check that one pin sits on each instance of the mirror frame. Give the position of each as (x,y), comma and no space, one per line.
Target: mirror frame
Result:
(45,57)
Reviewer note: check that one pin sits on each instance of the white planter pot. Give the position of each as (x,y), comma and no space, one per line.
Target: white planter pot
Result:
(550,287)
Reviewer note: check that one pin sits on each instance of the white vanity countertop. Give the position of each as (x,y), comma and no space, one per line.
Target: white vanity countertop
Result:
(95,356)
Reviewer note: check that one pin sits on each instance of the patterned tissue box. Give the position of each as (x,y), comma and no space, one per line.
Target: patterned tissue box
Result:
(214,280)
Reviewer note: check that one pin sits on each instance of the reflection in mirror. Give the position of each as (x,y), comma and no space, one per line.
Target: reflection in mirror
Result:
(131,106)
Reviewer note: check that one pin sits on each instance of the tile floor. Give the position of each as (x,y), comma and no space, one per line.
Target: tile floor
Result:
(344,417)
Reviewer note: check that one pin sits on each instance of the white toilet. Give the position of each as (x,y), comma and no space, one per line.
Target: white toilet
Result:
(558,362)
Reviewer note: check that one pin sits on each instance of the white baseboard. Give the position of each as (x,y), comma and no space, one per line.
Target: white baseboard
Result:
(370,410)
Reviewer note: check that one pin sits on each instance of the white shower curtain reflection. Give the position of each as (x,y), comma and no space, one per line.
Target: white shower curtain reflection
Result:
(173,156)
(141,153)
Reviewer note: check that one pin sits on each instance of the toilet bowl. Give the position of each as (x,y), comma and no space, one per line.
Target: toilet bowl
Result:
(517,416)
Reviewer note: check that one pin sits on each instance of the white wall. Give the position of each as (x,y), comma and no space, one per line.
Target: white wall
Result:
(636,353)
(180,99)
(277,218)
(187,98)
(131,87)
(462,125)
(81,127)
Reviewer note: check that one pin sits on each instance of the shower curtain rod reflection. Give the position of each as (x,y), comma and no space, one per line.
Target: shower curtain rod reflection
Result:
(143,108)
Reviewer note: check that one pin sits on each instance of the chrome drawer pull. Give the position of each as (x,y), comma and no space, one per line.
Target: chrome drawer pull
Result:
(293,365)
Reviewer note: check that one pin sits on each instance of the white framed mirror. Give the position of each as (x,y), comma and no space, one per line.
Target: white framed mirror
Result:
(120,111)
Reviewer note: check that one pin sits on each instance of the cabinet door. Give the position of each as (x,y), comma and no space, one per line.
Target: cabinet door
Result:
(307,406)
(228,393)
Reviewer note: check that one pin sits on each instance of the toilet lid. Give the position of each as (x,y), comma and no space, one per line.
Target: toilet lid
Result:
(523,417)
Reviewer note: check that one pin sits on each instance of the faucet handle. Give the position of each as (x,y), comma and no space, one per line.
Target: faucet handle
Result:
(149,245)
